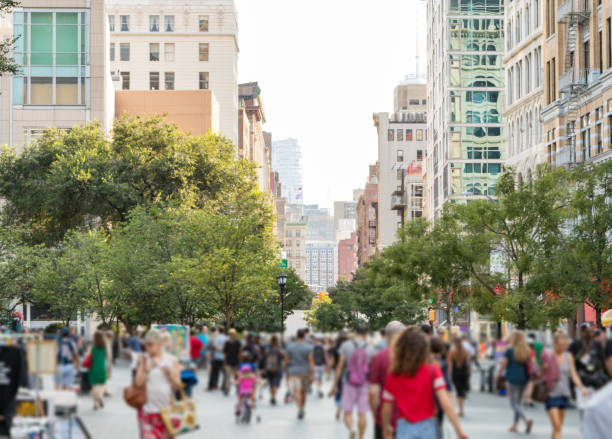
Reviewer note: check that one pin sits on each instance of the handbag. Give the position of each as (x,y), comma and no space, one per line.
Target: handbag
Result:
(181,416)
(87,361)
(540,391)
(135,396)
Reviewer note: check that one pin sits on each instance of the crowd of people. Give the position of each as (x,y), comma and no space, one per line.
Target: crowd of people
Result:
(405,380)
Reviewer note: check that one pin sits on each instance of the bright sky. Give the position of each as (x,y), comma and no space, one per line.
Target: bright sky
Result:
(324,67)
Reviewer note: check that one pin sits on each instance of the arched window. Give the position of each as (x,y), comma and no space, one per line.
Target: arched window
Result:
(529,130)
(527,23)
(527,74)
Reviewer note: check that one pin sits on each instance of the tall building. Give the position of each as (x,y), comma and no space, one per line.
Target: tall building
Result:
(347,257)
(524,87)
(321,265)
(287,161)
(252,144)
(410,94)
(344,210)
(465,101)
(295,248)
(178,45)
(320,223)
(64,77)
(367,222)
(577,112)
(401,150)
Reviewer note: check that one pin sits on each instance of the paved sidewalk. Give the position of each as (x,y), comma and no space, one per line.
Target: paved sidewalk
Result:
(487,417)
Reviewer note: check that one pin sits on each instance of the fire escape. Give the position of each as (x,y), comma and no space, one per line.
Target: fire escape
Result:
(573,82)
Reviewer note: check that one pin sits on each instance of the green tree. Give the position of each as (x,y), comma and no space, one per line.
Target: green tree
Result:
(524,222)
(587,256)
(264,314)
(7,63)
(71,179)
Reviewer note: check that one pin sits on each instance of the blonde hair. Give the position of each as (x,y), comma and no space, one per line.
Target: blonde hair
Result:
(518,343)
(559,334)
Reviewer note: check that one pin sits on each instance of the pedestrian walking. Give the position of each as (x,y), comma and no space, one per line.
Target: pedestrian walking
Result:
(98,371)
(320,361)
(459,370)
(68,361)
(515,365)
(380,366)
(274,367)
(218,357)
(232,359)
(558,367)
(439,356)
(204,338)
(136,346)
(299,367)
(353,368)
(195,346)
(159,372)
(334,353)
(412,386)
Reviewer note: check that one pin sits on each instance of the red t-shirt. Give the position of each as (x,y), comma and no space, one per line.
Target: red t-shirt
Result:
(195,347)
(379,370)
(414,396)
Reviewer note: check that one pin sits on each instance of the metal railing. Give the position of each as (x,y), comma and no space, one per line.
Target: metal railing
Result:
(573,11)
(573,79)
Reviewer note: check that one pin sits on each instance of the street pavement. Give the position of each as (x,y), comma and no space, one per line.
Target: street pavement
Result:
(487,417)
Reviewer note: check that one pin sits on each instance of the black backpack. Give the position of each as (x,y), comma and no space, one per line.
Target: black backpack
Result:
(319,355)
(273,361)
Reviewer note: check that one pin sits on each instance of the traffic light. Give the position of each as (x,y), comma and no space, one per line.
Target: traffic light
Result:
(431,301)
(432,315)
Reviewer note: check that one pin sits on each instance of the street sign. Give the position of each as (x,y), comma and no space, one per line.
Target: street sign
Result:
(284,264)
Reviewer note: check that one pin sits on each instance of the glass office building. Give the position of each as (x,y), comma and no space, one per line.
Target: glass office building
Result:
(52,49)
(466,143)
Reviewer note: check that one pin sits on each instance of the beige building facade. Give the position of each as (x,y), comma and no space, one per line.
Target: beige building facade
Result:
(524,87)
(196,112)
(178,45)
(64,77)
(577,49)
(295,247)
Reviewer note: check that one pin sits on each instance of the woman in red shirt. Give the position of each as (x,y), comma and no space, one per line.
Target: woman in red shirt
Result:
(412,386)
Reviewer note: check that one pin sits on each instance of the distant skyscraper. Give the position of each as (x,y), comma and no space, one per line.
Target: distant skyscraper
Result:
(287,161)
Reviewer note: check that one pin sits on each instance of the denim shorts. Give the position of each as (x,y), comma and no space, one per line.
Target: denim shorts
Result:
(557,402)
(64,377)
(425,429)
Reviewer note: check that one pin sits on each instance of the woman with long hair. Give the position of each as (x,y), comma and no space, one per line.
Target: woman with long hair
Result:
(159,372)
(515,365)
(413,385)
(459,370)
(99,370)
(558,367)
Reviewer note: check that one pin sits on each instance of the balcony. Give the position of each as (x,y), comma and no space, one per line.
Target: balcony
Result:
(572,80)
(573,12)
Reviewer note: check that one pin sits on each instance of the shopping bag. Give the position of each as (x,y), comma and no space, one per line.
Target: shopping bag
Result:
(87,362)
(181,416)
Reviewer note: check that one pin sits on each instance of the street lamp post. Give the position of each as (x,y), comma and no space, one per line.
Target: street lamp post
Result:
(282,284)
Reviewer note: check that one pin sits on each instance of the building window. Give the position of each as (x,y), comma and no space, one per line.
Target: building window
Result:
(419,155)
(125,23)
(169,52)
(112,51)
(153,51)
(124,51)
(169,23)
(154,23)
(125,80)
(203,23)
(419,135)
(203,50)
(400,155)
(409,135)
(203,80)
(169,80)
(111,23)
(153,80)
(56,71)
(390,135)
(400,135)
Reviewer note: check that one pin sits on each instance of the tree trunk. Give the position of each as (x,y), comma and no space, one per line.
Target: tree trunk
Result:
(228,319)
(598,317)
